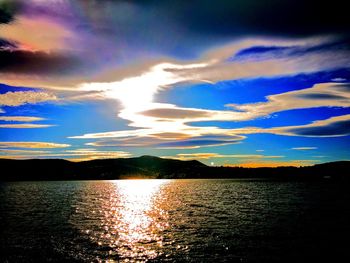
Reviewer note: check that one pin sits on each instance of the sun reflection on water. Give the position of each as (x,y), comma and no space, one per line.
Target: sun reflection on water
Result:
(127,219)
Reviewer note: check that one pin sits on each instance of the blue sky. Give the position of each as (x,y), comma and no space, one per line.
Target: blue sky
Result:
(234,84)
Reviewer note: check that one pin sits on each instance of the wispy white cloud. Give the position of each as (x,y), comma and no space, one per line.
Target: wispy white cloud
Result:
(25,126)
(21,118)
(170,119)
(36,145)
(149,118)
(339,80)
(304,148)
(168,141)
(22,125)
(73,155)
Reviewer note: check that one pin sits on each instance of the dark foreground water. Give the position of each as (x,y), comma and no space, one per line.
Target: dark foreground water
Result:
(174,220)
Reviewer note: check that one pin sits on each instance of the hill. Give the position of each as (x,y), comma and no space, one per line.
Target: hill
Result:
(155,167)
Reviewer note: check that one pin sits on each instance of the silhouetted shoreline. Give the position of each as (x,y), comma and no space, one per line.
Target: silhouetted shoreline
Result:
(159,168)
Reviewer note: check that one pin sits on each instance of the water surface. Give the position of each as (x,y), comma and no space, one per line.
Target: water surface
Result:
(174,220)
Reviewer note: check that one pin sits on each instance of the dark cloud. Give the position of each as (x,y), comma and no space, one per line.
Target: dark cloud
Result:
(320,96)
(291,17)
(341,44)
(8,10)
(20,61)
(112,33)
(5,44)
(175,113)
(338,128)
(345,87)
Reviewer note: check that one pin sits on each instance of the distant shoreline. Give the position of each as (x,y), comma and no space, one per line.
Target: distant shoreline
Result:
(150,167)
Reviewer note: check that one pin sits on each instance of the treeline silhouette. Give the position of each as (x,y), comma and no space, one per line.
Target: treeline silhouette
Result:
(155,167)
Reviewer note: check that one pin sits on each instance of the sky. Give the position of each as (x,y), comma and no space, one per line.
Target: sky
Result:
(237,83)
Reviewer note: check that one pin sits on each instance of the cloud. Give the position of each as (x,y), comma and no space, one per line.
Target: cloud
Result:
(169,119)
(125,142)
(339,80)
(30,145)
(76,30)
(30,63)
(25,126)
(263,163)
(12,151)
(332,127)
(81,50)
(320,95)
(254,17)
(173,113)
(21,118)
(196,143)
(8,9)
(6,45)
(73,155)
(25,97)
(22,125)
(168,141)
(29,33)
(304,148)
(74,70)
(192,156)
(164,127)
(304,56)
(145,113)
(85,154)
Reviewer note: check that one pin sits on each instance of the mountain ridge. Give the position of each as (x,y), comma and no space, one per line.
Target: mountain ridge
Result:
(147,166)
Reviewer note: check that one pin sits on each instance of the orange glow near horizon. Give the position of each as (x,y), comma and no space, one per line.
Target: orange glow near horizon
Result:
(270,164)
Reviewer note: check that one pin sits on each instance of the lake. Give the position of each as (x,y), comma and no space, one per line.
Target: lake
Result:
(174,221)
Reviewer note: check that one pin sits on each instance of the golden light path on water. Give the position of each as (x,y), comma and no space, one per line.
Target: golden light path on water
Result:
(127,219)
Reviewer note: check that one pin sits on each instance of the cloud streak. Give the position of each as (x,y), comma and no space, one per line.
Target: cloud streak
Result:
(22,125)
(304,148)
(170,119)
(25,97)
(72,155)
(193,156)
(276,163)
(320,95)
(332,127)
(25,126)
(21,118)
(33,145)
